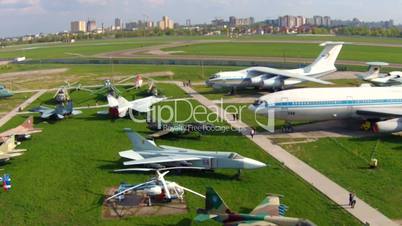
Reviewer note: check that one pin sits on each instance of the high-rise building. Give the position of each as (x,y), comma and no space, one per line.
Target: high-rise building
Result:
(91,25)
(318,20)
(166,23)
(300,21)
(326,21)
(232,21)
(188,23)
(236,22)
(78,26)
(117,23)
(290,21)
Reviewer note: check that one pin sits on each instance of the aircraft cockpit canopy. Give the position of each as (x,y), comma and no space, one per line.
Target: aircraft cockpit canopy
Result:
(235,156)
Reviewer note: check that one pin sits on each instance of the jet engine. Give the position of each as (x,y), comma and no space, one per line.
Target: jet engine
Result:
(275,83)
(256,81)
(389,126)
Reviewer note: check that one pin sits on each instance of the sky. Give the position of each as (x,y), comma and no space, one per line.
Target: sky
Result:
(19,17)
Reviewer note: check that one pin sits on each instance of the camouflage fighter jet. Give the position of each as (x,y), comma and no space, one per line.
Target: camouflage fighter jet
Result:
(20,132)
(8,151)
(268,213)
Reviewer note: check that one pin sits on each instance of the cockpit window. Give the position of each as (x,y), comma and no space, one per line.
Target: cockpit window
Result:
(254,73)
(258,102)
(213,76)
(235,156)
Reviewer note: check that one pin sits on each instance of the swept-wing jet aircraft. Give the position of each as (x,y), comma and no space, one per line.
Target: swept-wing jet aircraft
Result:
(375,77)
(119,107)
(278,79)
(22,131)
(8,151)
(268,213)
(4,93)
(382,105)
(59,112)
(147,154)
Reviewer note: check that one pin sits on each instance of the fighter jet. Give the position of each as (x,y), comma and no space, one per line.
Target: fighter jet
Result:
(376,78)
(8,151)
(21,132)
(268,213)
(146,153)
(4,93)
(59,112)
(119,107)
(278,79)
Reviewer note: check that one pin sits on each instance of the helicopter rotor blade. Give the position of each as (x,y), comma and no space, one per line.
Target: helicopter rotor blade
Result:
(162,179)
(191,191)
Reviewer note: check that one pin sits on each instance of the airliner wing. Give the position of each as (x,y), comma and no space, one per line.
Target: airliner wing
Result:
(292,75)
(380,112)
(161,159)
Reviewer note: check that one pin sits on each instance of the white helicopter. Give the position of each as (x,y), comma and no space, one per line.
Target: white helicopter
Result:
(157,188)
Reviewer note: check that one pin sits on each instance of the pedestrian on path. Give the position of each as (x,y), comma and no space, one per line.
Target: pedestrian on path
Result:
(252,132)
(350,198)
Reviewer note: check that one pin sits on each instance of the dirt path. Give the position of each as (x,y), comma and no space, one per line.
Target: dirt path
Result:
(28,74)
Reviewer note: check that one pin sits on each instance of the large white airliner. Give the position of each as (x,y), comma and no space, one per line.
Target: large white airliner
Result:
(382,104)
(278,79)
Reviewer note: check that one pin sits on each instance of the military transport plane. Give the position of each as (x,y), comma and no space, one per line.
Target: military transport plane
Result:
(268,213)
(59,112)
(376,78)
(147,153)
(382,105)
(278,79)
(119,107)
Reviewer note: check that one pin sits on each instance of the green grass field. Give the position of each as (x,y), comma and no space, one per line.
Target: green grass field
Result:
(346,162)
(284,50)
(60,180)
(72,50)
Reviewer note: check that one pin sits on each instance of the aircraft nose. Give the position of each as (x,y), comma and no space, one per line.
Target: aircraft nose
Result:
(208,82)
(252,107)
(253,164)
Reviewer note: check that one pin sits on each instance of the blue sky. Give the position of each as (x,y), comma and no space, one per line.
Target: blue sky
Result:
(33,16)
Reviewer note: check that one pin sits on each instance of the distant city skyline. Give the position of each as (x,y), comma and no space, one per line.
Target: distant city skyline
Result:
(21,17)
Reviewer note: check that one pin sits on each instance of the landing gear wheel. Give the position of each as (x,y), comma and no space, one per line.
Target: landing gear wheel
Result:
(287,128)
